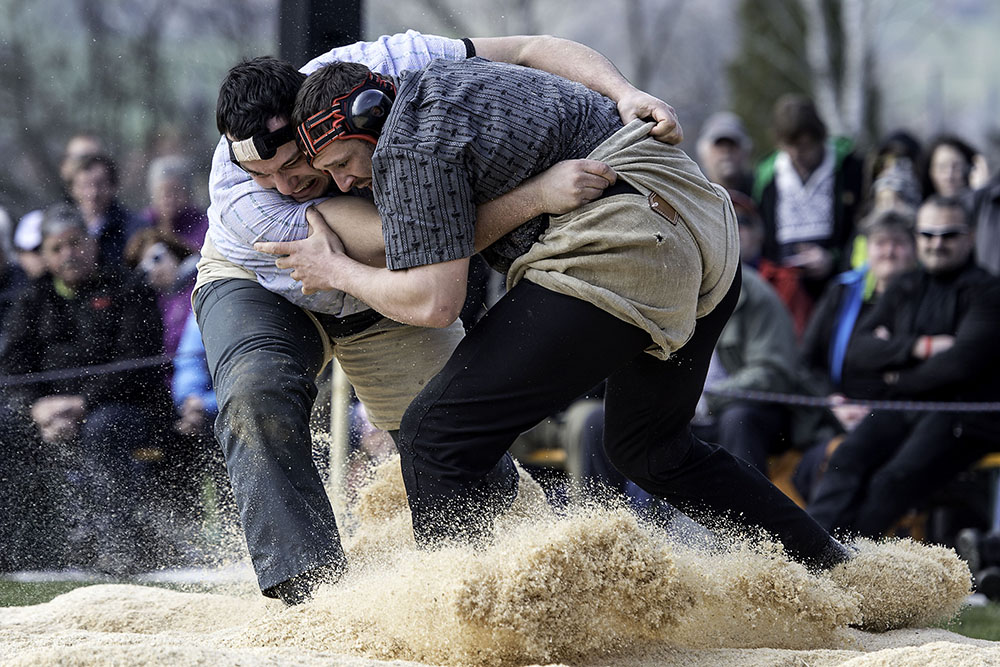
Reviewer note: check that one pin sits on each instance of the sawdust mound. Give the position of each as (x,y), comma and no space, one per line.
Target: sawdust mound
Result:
(752,596)
(902,583)
(120,608)
(935,653)
(547,590)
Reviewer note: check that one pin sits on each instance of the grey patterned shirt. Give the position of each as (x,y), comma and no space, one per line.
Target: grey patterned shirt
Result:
(461,134)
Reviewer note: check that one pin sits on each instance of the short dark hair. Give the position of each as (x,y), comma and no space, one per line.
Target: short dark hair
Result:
(254,92)
(954,141)
(87,162)
(795,116)
(887,220)
(324,85)
(955,203)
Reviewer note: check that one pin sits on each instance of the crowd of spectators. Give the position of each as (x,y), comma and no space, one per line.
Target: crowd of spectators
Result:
(886,264)
(869,305)
(107,407)
(867,277)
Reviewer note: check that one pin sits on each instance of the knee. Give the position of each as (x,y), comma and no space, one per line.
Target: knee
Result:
(263,399)
(649,458)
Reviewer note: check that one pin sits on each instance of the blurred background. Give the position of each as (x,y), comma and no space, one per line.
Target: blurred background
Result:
(143,74)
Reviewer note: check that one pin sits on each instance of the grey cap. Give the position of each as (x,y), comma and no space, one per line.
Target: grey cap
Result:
(725,125)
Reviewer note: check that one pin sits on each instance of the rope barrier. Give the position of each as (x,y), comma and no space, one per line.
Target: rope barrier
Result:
(748,395)
(85,371)
(875,404)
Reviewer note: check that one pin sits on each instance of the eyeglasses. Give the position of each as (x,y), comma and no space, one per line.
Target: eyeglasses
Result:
(943,234)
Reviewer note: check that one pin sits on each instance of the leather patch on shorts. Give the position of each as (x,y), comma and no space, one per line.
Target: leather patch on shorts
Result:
(663,207)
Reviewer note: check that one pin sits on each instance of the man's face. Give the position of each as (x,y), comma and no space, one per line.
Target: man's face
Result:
(944,241)
(288,171)
(806,152)
(348,161)
(92,190)
(70,255)
(890,252)
(723,160)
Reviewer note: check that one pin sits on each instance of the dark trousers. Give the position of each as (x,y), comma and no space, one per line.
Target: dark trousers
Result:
(893,462)
(530,356)
(264,353)
(752,431)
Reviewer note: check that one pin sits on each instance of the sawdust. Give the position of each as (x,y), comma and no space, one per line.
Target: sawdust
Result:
(593,586)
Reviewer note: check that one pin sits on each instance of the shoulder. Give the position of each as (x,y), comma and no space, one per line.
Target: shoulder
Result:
(393,54)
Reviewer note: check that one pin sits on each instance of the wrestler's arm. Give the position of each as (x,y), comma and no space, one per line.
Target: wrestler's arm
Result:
(430,295)
(560,188)
(583,64)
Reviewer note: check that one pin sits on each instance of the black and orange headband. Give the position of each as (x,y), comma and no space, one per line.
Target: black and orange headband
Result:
(357,114)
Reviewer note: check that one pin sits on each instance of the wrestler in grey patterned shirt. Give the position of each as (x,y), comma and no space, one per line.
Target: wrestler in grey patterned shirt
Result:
(460,134)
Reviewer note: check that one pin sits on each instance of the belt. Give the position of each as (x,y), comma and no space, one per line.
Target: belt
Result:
(656,202)
(348,325)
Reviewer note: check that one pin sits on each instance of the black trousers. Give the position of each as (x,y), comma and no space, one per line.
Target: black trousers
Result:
(530,356)
(894,461)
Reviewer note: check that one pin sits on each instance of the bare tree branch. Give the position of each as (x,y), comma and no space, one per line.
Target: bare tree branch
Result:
(818,56)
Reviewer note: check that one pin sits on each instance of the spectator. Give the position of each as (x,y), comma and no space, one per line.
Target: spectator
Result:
(891,251)
(808,193)
(724,152)
(785,280)
(195,459)
(899,149)
(12,278)
(986,219)
(169,268)
(191,387)
(754,353)
(932,335)
(27,241)
(947,167)
(93,185)
(896,188)
(78,146)
(103,428)
(171,209)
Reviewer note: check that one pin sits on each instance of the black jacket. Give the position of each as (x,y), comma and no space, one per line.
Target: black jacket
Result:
(111,317)
(965,304)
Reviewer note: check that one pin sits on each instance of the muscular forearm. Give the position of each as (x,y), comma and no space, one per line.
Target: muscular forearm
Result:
(496,218)
(429,295)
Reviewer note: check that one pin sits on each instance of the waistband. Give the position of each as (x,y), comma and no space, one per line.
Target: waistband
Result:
(335,327)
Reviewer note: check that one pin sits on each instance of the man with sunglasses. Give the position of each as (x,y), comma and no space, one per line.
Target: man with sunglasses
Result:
(634,287)
(932,336)
(265,340)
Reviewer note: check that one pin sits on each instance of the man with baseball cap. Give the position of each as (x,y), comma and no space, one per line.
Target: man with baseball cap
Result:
(724,152)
